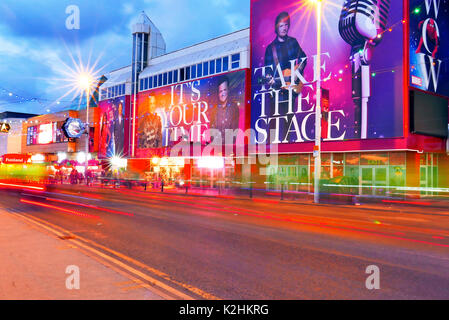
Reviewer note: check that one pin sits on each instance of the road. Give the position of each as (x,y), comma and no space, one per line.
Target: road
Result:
(221,248)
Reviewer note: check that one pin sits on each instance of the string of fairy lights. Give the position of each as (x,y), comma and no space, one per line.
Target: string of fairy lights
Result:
(10,97)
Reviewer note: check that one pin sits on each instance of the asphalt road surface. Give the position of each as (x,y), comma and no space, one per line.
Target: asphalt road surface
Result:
(216,247)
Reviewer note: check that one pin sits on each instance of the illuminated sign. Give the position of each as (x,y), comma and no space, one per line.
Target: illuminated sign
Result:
(429,47)
(45,133)
(186,111)
(15,158)
(5,127)
(73,128)
(361,70)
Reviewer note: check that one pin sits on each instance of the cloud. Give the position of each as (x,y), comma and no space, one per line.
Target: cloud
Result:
(35,45)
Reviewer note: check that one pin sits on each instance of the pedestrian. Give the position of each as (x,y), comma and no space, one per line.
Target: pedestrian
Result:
(162,185)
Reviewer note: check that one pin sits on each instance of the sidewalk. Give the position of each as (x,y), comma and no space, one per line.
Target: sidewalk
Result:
(33,267)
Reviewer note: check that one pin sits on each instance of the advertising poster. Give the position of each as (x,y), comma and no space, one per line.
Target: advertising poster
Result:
(186,111)
(112,127)
(429,45)
(361,70)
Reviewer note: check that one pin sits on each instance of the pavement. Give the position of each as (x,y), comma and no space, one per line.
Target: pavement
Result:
(34,263)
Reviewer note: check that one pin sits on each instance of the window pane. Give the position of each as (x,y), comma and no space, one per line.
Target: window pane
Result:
(175,76)
(337,158)
(165,78)
(154,81)
(181,74)
(159,80)
(235,65)
(325,159)
(212,67)
(193,70)
(187,73)
(397,158)
(205,68)
(150,83)
(124,88)
(199,69)
(225,63)
(235,57)
(145,86)
(352,159)
(374,159)
(218,65)
(170,77)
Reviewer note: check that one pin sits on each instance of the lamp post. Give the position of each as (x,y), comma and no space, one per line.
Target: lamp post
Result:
(85,83)
(317,147)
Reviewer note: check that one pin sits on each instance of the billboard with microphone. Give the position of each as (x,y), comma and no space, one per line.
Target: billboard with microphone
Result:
(361,69)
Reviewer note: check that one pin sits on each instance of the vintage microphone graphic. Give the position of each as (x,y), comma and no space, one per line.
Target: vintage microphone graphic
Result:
(361,25)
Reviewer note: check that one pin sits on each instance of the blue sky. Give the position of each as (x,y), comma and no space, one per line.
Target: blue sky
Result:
(35,45)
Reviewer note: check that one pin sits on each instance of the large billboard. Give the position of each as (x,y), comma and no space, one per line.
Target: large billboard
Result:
(188,110)
(112,127)
(429,45)
(361,69)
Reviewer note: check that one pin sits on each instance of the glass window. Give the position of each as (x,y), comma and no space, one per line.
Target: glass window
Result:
(374,159)
(193,71)
(150,82)
(154,81)
(218,65)
(199,69)
(159,80)
(181,74)
(235,58)
(352,159)
(165,78)
(397,175)
(205,68)
(225,63)
(397,158)
(187,73)
(337,159)
(175,76)
(325,159)
(170,77)
(303,159)
(123,88)
(145,85)
(352,171)
(212,67)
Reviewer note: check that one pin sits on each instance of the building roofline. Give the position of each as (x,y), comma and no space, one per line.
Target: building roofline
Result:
(12,114)
(202,42)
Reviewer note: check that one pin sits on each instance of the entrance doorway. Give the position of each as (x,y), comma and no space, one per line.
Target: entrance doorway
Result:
(374,180)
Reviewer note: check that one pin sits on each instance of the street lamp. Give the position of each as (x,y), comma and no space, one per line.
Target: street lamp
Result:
(85,82)
(317,147)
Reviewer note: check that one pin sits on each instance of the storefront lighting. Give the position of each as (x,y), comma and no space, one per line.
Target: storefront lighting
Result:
(155,160)
(37,158)
(62,156)
(81,157)
(211,162)
(118,162)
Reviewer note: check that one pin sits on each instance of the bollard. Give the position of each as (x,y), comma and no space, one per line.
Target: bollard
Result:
(145,185)
(251,191)
(187,188)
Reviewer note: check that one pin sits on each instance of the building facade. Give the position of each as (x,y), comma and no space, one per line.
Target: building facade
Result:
(383,101)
